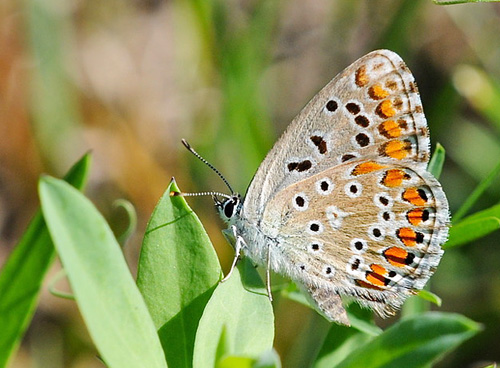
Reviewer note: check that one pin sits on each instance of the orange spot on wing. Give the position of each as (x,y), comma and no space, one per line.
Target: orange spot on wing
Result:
(407,236)
(361,78)
(378,269)
(396,256)
(394,178)
(367,285)
(376,92)
(377,275)
(390,129)
(415,196)
(396,149)
(415,216)
(366,167)
(385,109)
(375,279)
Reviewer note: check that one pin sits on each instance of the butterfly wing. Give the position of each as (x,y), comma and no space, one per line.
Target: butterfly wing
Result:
(363,229)
(371,108)
(345,193)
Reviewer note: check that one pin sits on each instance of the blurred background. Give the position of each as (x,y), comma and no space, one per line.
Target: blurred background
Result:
(128,79)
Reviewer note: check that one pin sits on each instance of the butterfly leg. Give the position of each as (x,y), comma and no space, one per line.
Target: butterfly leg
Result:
(268,274)
(237,250)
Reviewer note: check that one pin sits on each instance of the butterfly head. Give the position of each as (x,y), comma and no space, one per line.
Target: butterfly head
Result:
(228,208)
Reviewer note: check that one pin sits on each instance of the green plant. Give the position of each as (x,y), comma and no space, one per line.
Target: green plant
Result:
(198,321)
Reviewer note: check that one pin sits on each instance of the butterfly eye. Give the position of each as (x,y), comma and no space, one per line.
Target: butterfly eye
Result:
(229,207)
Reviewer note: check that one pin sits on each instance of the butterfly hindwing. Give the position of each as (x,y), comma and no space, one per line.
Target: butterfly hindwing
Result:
(362,229)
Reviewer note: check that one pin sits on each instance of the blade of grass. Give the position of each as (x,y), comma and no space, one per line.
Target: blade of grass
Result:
(474,226)
(471,229)
(54,106)
(480,89)
(111,305)
(437,2)
(393,38)
(436,163)
(338,344)
(241,55)
(178,272)
(23,272)
(132,220)
(430,297)
(417,341)
(478,192)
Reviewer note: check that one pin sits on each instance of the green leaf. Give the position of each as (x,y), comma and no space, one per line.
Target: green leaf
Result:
(430,297)
(132,219)
(478,192)
(436,163)
(454,2)
(416,341)
(361,319)
(178,272)
(23,272)
(474,227)
(111,305)
(361,322)
(268,359)
(469,230)
(236,362)
(338,344)
(241,309)
(418,304)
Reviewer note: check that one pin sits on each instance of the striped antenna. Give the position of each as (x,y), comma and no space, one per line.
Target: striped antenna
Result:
(197,155)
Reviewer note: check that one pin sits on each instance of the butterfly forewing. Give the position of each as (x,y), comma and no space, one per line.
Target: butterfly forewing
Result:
(372,108)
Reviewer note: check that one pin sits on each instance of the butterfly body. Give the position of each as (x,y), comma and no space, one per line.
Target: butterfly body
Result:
(343,204)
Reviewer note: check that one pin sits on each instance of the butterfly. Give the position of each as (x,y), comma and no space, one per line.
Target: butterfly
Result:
(343,204)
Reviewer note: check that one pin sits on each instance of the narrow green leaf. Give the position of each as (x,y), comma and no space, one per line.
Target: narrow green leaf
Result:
(23,272)
(430,297)
(471,229)
(132,220)
(436,163)
(419,303)
(178,272)
(477,193)
(361,319)
(416,341)
(454,2)
(111,305)
(338,344)
(362,324)
(61,274)
(241,308)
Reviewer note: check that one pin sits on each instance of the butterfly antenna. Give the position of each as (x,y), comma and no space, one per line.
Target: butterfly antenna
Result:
(197,155)
(183,194)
